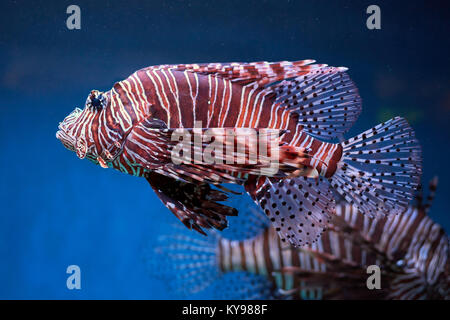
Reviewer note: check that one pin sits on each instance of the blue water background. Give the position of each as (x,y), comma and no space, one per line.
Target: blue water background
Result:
(57,210)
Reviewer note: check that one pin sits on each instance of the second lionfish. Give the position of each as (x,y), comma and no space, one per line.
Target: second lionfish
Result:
(411,251)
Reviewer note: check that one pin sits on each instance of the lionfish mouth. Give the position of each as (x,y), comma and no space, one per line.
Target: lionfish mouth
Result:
(67,140)
(63,130)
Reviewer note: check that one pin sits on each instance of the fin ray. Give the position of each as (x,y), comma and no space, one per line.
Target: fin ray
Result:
(380,168)
(196,205)
(325,100)
(185,263)
(299,208)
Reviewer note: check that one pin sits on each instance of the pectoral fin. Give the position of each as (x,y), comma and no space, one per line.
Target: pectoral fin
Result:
(196,205)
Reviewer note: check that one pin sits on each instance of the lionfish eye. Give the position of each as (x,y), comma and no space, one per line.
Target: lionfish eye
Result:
(96,100)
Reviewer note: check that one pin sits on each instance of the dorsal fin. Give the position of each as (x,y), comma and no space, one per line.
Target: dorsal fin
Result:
(323,99)
(262,73)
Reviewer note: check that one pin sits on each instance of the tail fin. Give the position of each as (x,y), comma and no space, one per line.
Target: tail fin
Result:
(380,168)
(186,263)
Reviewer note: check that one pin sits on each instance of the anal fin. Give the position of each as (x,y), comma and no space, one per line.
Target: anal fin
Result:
(299,208)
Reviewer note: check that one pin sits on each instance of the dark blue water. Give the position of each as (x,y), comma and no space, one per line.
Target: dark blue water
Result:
(58,210)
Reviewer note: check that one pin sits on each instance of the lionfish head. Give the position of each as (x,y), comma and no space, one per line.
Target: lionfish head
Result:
(75,130)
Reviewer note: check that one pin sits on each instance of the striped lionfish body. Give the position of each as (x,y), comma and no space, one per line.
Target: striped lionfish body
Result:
(410,249)
(131,128)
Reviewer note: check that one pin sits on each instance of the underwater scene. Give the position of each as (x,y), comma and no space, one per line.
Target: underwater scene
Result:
(224,150)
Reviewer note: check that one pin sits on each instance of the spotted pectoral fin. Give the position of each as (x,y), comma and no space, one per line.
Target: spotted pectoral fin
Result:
(196,205)
(299,208)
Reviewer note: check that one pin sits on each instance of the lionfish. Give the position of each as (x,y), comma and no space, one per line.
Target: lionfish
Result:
(410,249)
(131,127)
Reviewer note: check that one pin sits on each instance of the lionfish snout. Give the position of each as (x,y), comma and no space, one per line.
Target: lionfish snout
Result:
(63,134)
(66,139)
